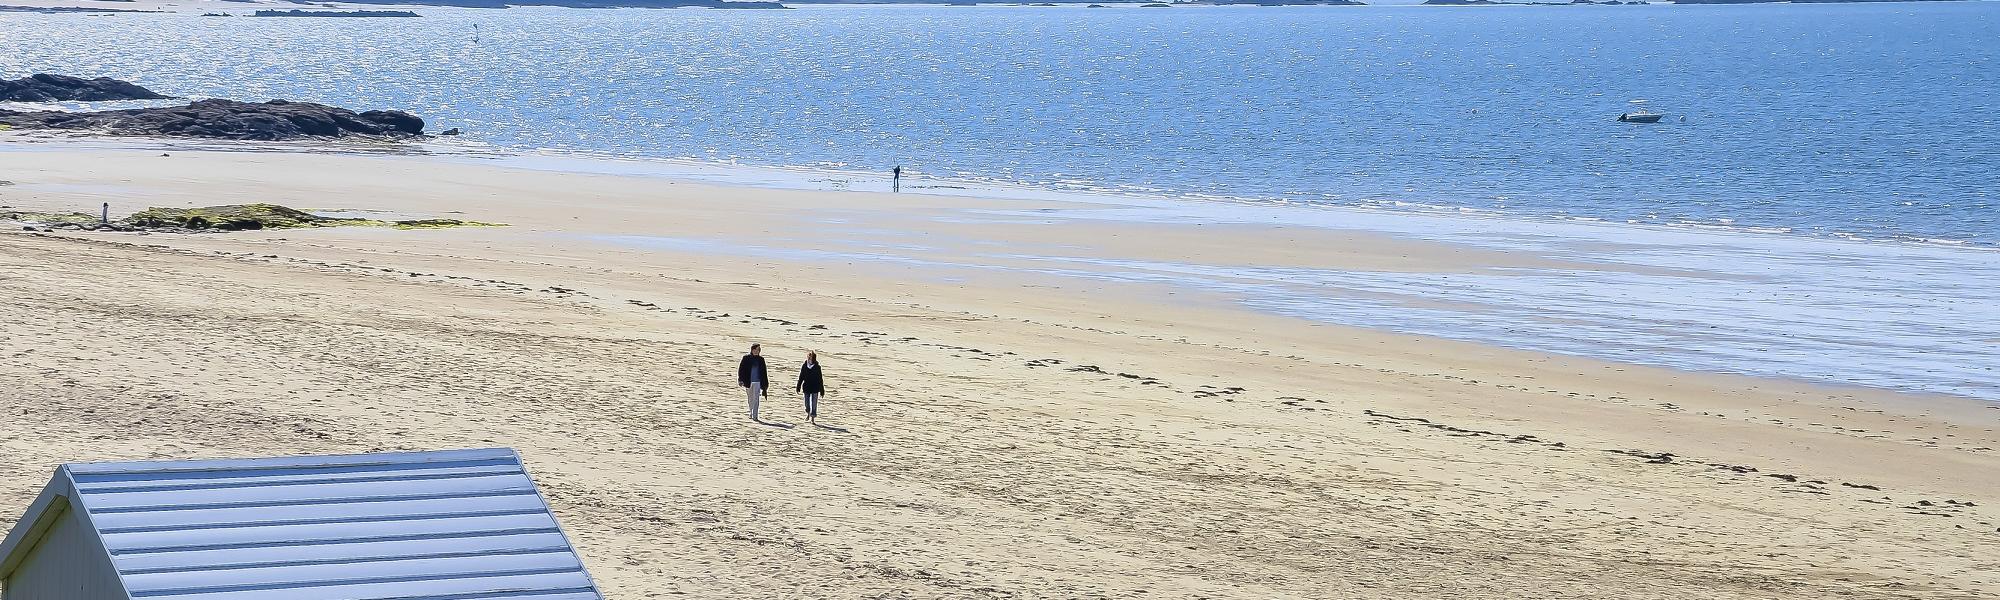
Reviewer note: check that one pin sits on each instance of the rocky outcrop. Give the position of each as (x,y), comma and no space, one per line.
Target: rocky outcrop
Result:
(229,119)
(233,217)
(45,87)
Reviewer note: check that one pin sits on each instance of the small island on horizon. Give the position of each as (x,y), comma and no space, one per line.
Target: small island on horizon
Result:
(333,13)
(718,4)
(56,10)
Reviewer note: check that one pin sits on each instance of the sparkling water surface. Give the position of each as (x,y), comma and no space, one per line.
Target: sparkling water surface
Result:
(1865,120)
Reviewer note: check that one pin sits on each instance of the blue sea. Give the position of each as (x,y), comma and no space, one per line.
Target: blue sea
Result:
(1848,150)
(1871,120)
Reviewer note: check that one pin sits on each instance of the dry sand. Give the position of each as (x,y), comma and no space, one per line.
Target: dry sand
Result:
(973,449)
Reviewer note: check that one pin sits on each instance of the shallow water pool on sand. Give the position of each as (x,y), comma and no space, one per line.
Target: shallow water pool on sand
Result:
(1897,316)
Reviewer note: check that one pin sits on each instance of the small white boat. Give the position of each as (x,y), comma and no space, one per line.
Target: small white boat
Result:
(1639,114)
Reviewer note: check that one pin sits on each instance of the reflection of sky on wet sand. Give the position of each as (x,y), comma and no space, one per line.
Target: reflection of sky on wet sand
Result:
(1897,316)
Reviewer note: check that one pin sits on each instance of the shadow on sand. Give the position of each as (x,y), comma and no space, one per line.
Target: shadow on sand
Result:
(780,425)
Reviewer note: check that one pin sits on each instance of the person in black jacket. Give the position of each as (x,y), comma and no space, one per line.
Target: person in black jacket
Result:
(752,375)
(811,384)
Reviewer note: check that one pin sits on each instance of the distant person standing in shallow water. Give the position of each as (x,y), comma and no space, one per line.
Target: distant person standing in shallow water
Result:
(812,385)
(896,179)
(752,375)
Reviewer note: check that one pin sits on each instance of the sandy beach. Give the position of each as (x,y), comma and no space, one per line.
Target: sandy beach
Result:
(993,430)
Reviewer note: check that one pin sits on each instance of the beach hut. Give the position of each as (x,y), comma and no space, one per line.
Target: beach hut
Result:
(413,525)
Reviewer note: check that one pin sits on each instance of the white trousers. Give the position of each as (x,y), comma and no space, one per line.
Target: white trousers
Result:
(756,393)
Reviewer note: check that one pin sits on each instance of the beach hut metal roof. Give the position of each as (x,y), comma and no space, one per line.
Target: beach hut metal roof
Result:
(447,525)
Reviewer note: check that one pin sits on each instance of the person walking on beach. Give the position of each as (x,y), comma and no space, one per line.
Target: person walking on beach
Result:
(896,179)
(752,375)
(811,384)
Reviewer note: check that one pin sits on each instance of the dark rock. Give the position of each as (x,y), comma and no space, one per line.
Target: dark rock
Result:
(229,119)
(452,131)
(46,87)
(397,120)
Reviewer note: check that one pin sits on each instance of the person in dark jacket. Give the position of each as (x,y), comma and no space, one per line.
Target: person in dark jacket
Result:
(811,384)
(752,375)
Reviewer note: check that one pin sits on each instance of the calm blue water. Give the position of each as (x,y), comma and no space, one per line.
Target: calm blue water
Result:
(1853,120)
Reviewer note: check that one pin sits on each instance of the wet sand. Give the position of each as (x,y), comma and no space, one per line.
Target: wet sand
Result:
(992,431)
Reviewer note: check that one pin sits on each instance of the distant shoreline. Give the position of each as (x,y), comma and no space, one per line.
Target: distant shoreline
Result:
(334,13)
(80,7)
(1581,296)
(58,10)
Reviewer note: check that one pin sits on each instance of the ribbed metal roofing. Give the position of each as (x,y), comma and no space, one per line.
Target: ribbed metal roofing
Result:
(449,525)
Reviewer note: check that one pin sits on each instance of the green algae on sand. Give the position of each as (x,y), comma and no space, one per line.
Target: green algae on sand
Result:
(440,224)
(44,217)
(242,217)
(236,217)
